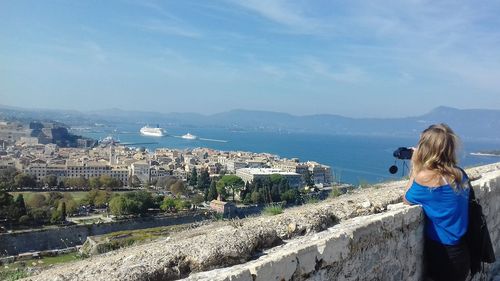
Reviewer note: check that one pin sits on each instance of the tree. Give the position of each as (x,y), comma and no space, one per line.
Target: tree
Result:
(102,198)
(54,198)
(60,185)
(6,205)
(232,182)
(37,200)
(106,181)
(168,204)
(94,182)
(24,180)
(193,178)
(59,215)
(256,197)
(247,199)
(212,191)
(290,196)
(50,180)
(178,188)
(7,178)
(62,209)
(203,180)
(20,204)
(197,200)
(308,178)
(117,205)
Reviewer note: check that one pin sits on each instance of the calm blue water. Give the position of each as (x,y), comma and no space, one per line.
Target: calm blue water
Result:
(353,158)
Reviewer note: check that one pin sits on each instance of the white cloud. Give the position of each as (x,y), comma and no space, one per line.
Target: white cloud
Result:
(169,28)
(286,14)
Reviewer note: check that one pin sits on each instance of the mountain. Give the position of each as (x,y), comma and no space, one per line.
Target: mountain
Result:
(468,123)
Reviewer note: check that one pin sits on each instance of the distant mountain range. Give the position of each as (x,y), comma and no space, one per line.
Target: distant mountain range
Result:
(468,123)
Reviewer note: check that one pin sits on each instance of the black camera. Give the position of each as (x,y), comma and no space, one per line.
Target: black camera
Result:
(403,153)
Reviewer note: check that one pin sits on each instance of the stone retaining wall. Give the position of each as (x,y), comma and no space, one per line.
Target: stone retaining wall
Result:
(70,236)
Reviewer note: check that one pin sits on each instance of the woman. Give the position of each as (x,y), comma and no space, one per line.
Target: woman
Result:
(441,188)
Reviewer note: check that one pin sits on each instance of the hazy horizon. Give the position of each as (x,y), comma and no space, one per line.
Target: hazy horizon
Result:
(358,59)
(15,107)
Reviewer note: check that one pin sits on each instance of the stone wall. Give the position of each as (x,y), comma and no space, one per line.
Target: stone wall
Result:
(366,235)
(70,236)
(385,246)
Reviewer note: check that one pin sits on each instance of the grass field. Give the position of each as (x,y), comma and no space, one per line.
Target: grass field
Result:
(17,269)
(77,195)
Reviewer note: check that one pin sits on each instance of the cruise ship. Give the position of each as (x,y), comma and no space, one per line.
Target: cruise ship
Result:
(188,136)
(152,132)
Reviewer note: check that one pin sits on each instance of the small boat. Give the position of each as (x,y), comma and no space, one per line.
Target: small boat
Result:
(188,136)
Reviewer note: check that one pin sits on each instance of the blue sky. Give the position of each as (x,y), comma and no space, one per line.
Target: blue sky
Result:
(355,58)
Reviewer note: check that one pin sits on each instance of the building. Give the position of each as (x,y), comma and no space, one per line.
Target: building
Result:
(227,209)
(233,165)
(251,174)
(141,169)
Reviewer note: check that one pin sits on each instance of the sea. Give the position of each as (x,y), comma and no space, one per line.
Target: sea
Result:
(353,159)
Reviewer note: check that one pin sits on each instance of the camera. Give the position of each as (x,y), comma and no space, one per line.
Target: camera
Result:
(403,153)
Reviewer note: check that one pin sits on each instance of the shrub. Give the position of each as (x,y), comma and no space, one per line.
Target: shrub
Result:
(334,193)
(273,210)
(24,220)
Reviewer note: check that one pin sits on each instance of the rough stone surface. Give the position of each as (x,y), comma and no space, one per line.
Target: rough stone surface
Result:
(379,241)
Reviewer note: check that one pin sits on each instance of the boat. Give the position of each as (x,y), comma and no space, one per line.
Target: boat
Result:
(152,132)
(188,136)
(109,140)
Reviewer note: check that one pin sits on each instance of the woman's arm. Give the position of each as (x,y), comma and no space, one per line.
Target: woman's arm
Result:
(408,185)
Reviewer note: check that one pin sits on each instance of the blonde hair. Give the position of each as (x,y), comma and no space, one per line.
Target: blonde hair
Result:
(437,151)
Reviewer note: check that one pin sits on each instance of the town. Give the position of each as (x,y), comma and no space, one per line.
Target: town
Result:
(43,157)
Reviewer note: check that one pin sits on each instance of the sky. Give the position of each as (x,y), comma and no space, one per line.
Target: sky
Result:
(389,58)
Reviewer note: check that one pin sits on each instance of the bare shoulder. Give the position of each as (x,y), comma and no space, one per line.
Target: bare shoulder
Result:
(429,178)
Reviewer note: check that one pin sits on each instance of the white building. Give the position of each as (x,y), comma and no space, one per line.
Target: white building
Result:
(251,174)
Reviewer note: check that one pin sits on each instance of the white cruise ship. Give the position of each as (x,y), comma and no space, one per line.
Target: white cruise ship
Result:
(152,132)
(188,136)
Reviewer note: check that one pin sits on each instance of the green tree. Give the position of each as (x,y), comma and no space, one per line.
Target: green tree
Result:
(193,178)
(178,188)
(20,204)
(62,210)
(256,197)
(37,200)
(168,204)
(24,180)
(182,204)
(197,200)
(203,180)
(54,198)
(7,178)
(7,205)
(106,181)
(290,196)
(102,198)
(232,182)
(212,191)
(118,205)
(59,215)
(50,180)
(94,182)
(248,199)
(308,178)
(71,205)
